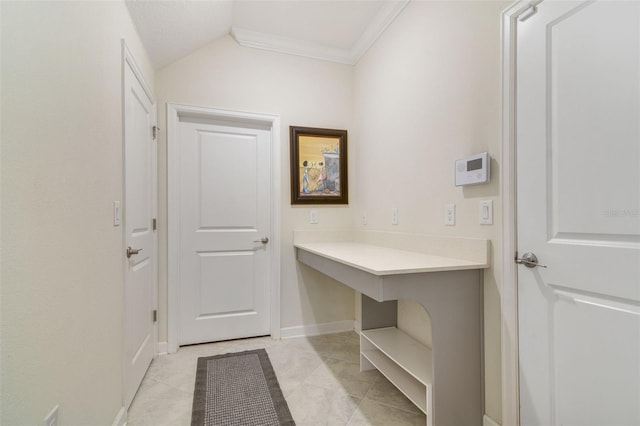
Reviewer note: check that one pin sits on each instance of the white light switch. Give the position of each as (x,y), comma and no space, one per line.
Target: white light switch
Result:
(486,212)
(116,213)
(313,216)
(450,214)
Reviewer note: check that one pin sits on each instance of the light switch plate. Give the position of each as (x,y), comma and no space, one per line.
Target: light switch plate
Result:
(116,213)
(486,212)
(450,214)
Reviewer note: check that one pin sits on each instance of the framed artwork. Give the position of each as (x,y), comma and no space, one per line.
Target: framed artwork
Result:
(318,166)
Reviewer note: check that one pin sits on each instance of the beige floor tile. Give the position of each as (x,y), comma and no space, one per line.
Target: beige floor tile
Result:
(372,413)
(175,371)
(292,367)
(307,344)
(384,392)
(348,350)
(158,404)
(319,376)
(336,373)
(316,405)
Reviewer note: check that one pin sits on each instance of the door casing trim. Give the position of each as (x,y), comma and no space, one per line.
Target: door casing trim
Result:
(508,194)
(174,113)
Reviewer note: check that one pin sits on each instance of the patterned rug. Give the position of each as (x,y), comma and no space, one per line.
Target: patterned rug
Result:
(238,389)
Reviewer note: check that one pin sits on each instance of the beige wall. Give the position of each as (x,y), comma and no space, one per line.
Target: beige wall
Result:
(426,94)
(62,260)
(303,92)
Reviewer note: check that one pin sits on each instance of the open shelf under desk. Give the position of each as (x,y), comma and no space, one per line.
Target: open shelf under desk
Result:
(401,359)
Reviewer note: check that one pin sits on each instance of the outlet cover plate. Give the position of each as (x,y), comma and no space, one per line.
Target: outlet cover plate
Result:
(450,214)
(313,217)
(394,216)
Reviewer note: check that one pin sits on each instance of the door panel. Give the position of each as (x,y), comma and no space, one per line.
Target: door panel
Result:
(225,159)
(231,291)
(578,204)
(602,333)
(594,86)
(139,119)
(224,213)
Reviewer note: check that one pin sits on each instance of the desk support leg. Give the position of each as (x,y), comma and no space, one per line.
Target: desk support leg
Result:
(454,303)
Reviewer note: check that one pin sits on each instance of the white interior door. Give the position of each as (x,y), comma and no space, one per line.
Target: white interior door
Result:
(140,169)
(578,204)
(224,195)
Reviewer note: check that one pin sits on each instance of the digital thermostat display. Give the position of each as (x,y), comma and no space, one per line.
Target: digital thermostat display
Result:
(474,164)
(473,170)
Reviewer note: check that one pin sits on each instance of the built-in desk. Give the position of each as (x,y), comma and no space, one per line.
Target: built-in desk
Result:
(444,275)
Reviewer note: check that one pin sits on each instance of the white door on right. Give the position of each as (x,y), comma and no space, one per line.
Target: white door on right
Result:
(578,203)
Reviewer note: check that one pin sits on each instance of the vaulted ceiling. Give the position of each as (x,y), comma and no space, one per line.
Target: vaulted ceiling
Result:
(334,30)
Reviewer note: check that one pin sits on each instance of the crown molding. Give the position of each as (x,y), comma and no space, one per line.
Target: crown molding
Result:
(291,46)
(275,43)
(387,14)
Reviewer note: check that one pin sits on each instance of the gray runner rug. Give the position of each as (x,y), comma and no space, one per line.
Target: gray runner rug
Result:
(238,389)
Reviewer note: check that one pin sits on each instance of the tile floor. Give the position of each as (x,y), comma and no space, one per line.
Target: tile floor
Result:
(319,376)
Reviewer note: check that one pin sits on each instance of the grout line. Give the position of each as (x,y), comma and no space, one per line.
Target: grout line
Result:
(386,404)
(355,411)
(398,408)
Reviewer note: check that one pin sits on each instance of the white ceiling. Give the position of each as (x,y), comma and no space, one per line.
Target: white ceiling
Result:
(334,30)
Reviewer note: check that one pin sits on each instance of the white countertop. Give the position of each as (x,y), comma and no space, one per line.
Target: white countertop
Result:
(379,260)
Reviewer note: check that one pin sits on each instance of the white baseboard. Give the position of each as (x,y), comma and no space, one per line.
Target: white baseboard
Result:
(357,326)
(488,421)
(317,329)
(298,331)
(121,418)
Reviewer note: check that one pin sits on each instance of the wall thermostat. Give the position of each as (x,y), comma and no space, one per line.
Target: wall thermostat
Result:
(473,170)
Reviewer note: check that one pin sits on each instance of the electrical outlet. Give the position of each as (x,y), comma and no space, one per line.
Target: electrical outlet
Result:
(313,217)
(394,216)
(450,214)
(364,219)
(52,417)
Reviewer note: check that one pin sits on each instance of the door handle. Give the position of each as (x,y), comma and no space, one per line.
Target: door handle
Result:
(263,240)
(132,251)
(529,260)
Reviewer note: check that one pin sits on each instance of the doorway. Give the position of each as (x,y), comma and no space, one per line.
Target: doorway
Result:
(223,180)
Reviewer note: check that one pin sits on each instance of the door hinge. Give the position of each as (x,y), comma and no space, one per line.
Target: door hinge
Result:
(154,131)
(154,316)
(154,223)
(530,11)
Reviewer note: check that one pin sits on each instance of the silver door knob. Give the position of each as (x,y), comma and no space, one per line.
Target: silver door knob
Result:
(529,260)
(263,240)
(132,251)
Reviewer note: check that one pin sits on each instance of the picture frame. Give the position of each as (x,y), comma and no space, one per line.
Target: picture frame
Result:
(319,173)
